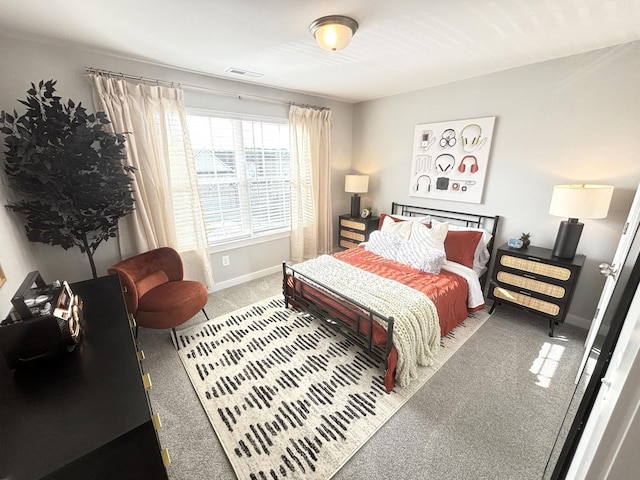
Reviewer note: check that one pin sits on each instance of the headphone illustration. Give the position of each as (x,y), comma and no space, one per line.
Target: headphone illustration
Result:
(418,182)
(448,138)
(470,137)
(445,162)
(473,166)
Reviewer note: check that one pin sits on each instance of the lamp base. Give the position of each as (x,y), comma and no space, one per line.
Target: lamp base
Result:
(355,205)
(567,239)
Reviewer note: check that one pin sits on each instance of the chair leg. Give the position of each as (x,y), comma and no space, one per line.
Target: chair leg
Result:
(174,338)
(205,314)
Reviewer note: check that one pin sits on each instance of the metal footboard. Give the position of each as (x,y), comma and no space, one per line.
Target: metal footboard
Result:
(319,301)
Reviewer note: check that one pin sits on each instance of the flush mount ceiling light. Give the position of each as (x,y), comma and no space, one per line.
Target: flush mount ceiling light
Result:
(333,32)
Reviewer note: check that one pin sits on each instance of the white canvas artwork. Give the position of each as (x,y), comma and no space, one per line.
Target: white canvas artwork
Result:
(450,159)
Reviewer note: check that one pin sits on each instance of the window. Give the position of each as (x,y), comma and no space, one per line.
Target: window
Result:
(243,175)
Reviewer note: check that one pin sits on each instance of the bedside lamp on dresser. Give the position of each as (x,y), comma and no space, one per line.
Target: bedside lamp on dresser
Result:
(573,201)
(356,184)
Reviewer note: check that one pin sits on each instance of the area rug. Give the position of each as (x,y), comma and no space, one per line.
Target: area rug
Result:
(288,397)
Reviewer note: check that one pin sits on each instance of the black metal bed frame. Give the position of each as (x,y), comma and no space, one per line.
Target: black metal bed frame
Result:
(311,296)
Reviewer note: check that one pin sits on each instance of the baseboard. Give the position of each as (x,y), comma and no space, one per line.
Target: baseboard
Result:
(578,321)
(245,278)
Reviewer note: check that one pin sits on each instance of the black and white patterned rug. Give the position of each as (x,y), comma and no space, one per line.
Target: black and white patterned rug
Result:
(288,397)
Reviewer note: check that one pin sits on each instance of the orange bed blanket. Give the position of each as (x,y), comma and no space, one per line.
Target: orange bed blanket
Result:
(446,290)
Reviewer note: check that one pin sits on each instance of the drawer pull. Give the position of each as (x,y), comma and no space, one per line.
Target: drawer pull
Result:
(165,457)
(155,419)
(522,292)
(532,277)
(533,259)
(146,381)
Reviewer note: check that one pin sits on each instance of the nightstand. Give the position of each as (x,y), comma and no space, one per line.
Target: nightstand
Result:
(532,278)
(354,230)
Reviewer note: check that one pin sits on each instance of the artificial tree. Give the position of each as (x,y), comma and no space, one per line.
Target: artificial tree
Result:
(67,173)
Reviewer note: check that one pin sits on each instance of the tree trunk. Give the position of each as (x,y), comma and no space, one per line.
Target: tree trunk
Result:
(89,253)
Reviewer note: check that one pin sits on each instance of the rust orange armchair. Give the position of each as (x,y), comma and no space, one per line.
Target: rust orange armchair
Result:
(155,291)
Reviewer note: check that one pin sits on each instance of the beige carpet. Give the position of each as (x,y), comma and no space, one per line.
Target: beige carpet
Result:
(286,395)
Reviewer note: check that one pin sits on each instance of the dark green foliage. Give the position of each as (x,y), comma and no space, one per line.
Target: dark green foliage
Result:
(67,172)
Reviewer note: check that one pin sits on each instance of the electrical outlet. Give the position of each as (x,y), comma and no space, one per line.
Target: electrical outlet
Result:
(225,260)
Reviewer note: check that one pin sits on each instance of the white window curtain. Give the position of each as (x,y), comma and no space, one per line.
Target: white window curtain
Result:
(167,210)
(310,144)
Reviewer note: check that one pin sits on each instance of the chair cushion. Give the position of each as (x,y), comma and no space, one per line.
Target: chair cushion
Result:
(171,304)
(151,281)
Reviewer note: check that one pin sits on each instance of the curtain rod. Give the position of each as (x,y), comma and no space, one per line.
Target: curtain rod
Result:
(239,96)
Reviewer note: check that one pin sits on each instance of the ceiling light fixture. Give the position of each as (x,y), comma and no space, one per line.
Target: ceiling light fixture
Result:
(333,32)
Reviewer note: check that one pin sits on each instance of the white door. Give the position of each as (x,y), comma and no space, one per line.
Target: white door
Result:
(611,272)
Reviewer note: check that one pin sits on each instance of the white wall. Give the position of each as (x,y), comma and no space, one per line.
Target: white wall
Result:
(25,61)
(571,120)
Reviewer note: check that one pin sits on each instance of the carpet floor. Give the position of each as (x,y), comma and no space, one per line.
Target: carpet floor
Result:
(288,397)
(492,411)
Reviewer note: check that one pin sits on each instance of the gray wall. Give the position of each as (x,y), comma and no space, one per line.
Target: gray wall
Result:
(24,62)
(572,120)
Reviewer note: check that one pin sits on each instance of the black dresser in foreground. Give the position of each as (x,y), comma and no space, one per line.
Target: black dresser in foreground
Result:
(534,279)
(85,415)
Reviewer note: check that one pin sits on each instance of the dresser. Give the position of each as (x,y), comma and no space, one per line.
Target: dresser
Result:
(354,230)
(85,414)
(534,279)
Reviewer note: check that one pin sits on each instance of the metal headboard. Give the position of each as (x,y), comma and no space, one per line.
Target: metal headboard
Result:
(486,222)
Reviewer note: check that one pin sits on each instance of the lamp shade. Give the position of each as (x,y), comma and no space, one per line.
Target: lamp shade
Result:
(581,201)
(356,183)
(333,32)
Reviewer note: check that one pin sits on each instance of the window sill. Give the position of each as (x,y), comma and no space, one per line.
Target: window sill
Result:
(247,242)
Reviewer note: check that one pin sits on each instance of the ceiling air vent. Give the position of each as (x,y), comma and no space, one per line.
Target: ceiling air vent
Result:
(244,73)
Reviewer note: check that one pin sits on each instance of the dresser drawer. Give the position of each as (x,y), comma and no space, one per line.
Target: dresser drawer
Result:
(523,282)
(360,237)
(536,267)
(518,298)
(344,222)
(347,244)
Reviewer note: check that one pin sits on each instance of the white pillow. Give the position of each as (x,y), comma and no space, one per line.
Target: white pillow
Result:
(429,237)
(384,244)
(415,255)
(422,258)
(402,229)
(406,218)
(481,255)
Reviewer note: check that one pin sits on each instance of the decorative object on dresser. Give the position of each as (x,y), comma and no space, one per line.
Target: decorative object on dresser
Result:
(43,323)
(536,280)
(353,231)
(293,399)
(87,414)
(156,294)
(356,184)
(576,201)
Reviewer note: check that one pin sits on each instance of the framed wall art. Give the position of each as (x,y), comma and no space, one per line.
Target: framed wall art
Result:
(450,159)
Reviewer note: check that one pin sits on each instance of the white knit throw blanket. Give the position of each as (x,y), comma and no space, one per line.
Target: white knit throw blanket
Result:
(416,330)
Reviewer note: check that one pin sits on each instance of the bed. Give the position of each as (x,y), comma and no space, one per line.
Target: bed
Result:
(416,278)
